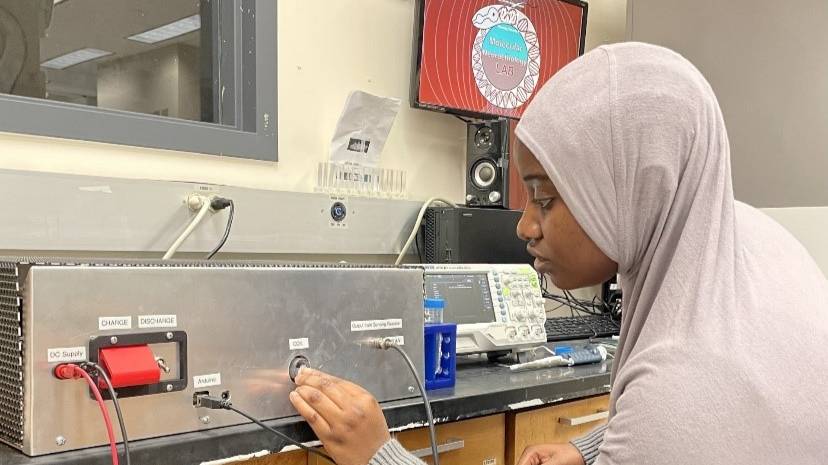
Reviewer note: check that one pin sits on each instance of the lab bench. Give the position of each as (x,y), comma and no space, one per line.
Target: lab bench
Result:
(487,418)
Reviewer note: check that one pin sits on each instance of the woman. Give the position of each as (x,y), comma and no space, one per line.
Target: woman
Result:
(724,340)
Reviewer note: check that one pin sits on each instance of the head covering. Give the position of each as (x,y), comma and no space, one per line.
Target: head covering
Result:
(724,338)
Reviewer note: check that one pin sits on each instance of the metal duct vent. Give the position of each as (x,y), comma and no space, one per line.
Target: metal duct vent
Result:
(11,356)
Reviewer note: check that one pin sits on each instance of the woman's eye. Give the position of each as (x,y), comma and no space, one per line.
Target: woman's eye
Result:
(543,203)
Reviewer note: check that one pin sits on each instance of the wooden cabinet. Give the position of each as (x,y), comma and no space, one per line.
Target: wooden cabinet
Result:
(470,442)
(559,423)
(493,440)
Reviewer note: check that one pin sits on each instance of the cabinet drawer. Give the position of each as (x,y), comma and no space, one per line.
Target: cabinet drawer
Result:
(287,458)
(480,441)
(560,423)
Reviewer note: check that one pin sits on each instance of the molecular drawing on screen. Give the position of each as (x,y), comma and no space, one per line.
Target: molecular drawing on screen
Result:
(505,56)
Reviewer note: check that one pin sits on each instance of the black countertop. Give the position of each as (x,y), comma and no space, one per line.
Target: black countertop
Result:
(482,389)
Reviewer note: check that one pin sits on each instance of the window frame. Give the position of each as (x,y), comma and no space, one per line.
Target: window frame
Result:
(246,124)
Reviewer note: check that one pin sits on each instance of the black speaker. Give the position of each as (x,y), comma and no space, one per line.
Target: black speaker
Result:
(487,162)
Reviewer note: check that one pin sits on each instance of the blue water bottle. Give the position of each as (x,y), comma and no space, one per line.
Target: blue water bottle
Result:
(440,347)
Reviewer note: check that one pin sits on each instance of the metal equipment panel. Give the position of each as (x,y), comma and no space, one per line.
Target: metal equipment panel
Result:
(244,322)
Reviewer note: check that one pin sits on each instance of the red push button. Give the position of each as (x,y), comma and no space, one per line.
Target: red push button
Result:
(130,366)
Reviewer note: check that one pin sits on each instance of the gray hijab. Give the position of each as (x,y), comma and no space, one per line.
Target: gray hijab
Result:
(723,357)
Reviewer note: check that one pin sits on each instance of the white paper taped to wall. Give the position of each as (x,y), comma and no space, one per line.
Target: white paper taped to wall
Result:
(363,128)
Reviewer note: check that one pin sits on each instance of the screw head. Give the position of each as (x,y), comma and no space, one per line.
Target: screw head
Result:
(169,388)
(205,419)
(60,440)
(411,389)
(169,335)
(92,338)
(113,340)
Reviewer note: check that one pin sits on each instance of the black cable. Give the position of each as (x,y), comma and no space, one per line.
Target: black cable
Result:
(100,372)
(572,304)
(287,438)
(582,305)
(229,203)
(431,432)
(417,248)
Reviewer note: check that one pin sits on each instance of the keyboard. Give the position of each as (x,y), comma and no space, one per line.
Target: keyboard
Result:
(580,327)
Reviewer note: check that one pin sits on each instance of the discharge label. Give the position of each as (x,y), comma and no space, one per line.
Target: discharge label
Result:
(66,354)
(299,344)
(157,321)
(375,325)
(204,381)
(106,323)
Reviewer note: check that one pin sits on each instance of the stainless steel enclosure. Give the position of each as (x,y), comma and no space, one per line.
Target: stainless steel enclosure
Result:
(244,323)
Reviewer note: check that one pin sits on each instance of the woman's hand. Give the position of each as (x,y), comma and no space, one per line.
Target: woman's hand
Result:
(551,454)
(345,417)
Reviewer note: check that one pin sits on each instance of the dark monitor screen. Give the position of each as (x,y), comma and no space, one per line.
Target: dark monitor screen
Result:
(490,236)
(467,297)
(490,57)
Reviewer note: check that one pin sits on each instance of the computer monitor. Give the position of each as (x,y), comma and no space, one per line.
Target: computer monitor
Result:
(488,58)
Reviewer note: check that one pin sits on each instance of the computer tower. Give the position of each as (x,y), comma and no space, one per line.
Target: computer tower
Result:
(472,235)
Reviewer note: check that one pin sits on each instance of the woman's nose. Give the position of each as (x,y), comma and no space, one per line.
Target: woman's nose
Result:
(528,228)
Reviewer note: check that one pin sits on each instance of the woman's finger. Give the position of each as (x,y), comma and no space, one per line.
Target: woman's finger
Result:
(345,386)
(321,403)
(316,421)
(328,385)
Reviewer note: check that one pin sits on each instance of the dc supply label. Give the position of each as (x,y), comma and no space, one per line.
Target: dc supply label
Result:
(66,354)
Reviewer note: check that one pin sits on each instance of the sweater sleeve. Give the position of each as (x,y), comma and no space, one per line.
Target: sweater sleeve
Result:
(393,453)
(588,445)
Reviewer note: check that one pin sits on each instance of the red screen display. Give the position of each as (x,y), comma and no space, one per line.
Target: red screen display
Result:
(491,57)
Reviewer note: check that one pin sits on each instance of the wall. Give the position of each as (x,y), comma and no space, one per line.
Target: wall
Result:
(326,49)
(189,82)
(606,22)
(145,82)
(766,61)
(808,226)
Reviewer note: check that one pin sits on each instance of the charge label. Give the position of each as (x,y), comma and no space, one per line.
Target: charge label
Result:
(66,354)
(204,381)
(375,325)
(157,321)
(106,323)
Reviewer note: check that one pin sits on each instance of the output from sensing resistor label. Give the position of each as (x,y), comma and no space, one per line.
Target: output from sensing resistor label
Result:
(376,325)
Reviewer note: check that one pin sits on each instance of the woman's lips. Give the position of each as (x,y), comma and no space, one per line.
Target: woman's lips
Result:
(541,264)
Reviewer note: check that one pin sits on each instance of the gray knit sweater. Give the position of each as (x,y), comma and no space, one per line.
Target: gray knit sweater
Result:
(393,453)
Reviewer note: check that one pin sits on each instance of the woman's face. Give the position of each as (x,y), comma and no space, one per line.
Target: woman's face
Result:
(562,250)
